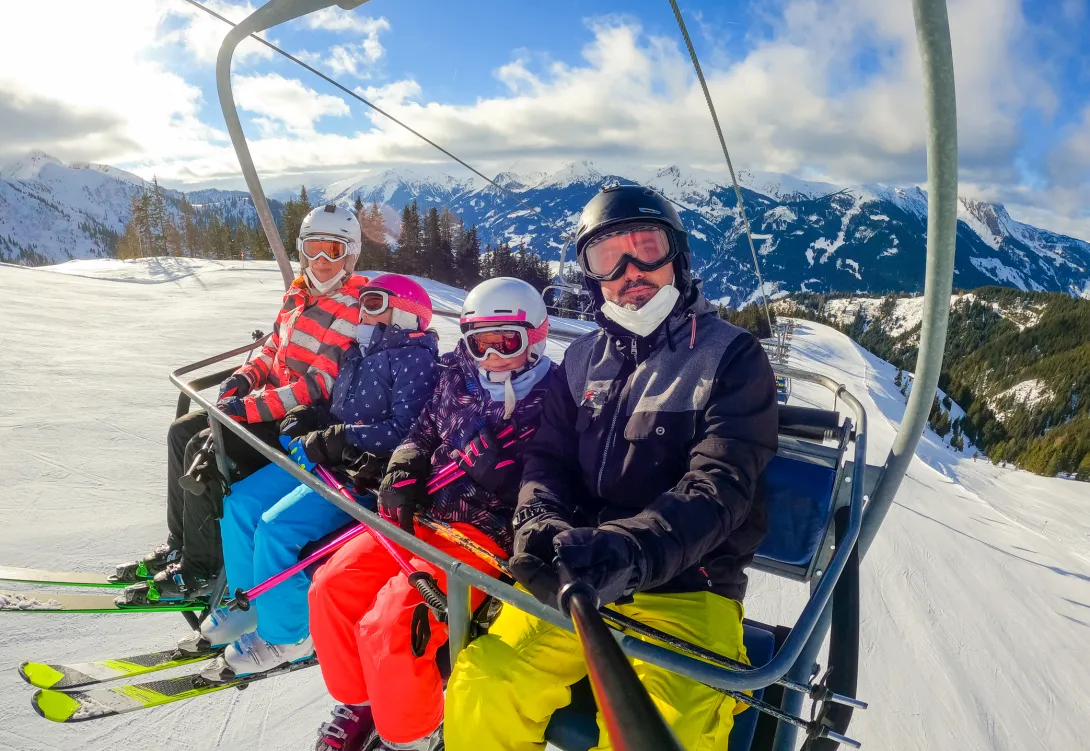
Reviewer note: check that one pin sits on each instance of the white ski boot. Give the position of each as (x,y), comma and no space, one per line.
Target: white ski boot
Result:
(431,742)
(220,628)
(251,654)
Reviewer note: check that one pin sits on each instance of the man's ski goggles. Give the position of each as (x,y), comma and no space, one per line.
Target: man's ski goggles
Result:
(375,301)
(324,247)
(604,258)
(505,341)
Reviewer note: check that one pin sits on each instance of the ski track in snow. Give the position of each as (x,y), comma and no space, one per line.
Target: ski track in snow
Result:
(976,594)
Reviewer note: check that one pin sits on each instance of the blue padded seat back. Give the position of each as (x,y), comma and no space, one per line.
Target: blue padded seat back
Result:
(799,502)
(575,727)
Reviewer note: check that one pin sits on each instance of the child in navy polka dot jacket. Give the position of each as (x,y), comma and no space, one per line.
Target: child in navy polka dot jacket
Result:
(383,384)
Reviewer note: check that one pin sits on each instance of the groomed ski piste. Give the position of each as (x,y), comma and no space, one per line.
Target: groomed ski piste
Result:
(976,593)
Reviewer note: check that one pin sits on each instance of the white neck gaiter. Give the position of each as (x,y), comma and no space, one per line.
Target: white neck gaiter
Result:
(645,320)
(324,288)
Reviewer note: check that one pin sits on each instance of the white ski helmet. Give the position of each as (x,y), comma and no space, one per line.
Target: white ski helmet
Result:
(334,222)
(508,300)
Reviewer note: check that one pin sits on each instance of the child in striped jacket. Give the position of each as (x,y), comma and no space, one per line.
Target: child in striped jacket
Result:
(297,365)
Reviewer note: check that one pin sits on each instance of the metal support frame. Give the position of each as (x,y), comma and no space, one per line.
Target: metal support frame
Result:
(461,577)
(269,15)
(933,38)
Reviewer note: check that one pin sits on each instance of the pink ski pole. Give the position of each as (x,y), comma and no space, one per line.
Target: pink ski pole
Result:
(438,483)
(423,581)
(242,599)
(337,485)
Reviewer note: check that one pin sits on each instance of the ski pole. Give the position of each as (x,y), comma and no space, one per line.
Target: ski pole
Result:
(423,581)
(439,483)
(242,599)
(631,718)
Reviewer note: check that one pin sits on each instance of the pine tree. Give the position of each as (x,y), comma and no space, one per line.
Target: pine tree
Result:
(468,259)
(431,253)
(375,253)
(128,246)
(357,206)
(444,259)
(531,269)
(501,262)
(158,218)
(292,219)
(407,258)
(190,240)
(898,379)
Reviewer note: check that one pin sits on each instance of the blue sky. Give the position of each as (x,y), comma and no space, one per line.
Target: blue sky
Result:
(822,89)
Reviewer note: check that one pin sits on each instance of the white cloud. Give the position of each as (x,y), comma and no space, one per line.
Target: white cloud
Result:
(284,100)
(99,69)
(353,59)
(335,19)
(1073,226)
(201,34)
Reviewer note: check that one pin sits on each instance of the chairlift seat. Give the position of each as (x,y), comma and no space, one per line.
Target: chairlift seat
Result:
(799,505)
(575,727)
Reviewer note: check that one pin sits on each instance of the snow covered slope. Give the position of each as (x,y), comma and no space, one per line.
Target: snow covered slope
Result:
(976,597)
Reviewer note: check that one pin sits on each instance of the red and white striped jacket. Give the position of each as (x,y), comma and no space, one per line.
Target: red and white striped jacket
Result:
(301,359)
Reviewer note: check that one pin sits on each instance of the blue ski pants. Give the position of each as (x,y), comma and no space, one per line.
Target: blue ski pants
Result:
(267,519)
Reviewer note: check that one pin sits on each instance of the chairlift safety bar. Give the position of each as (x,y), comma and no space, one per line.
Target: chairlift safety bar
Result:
(461,576)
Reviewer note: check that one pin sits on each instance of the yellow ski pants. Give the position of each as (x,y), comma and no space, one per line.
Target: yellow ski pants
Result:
(507,684)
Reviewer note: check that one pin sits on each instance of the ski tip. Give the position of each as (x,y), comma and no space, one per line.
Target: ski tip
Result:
(39,674)
(55,706)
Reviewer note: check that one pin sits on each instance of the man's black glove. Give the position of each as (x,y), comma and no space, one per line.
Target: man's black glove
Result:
(482,461)
(404,489)
(607,560)
(303,419)
(536,526)
(236,385)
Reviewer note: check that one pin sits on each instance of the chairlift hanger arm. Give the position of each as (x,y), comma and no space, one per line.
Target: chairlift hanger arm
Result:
(272,14)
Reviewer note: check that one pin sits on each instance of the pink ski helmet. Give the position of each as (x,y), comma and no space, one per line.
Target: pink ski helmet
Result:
(400,293)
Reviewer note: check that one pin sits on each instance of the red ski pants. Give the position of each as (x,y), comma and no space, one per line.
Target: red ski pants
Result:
(361,610)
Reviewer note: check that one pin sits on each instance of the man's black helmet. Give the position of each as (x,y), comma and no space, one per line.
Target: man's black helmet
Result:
(620,204)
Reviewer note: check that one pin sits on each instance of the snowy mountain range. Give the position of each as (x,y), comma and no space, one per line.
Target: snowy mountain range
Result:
(810,236)
(51,212)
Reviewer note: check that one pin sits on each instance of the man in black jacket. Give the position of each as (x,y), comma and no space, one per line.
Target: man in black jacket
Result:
(642,480)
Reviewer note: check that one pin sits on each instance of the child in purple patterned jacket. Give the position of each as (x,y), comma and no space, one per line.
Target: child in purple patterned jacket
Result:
(362,605)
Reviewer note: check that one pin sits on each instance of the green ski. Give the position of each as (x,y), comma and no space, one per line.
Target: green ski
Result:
(59,602)
(59,578)
(96,703)
(81,674)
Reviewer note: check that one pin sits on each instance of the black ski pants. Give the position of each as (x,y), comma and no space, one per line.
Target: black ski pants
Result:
(193,519)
